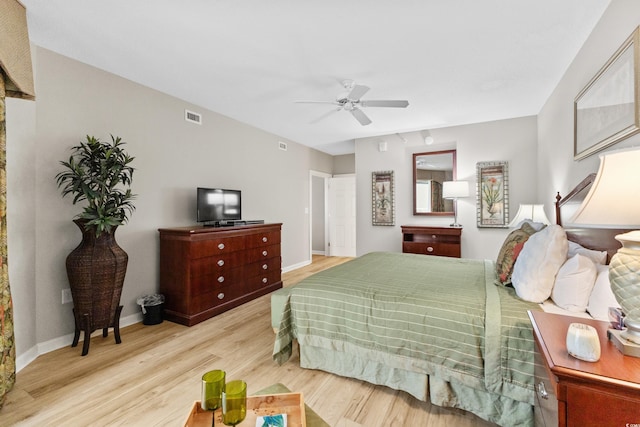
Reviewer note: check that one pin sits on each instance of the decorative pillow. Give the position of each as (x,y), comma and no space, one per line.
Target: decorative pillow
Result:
(601,296)
(574,283)
(536,225)
(598,257)
(509,252)
(535,269)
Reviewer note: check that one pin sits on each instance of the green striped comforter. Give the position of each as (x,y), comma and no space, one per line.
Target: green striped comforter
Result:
(432,315)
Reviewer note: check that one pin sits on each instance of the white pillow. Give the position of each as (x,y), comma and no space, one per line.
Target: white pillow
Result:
(574,283)
(598,257)
(601,296)
(537,265)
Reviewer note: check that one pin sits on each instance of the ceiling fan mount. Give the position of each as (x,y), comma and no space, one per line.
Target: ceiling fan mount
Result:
(351,101)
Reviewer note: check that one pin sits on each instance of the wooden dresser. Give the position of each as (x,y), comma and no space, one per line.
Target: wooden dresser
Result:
(443,241)
(205,271)
(571,392)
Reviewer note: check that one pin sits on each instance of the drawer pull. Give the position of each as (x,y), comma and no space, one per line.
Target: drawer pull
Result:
(265,266)
(220,263)
(265,253)
(264,280)
(429,249)
(542,391)
(221,246)
(221,295)
(265,240)
(220,279)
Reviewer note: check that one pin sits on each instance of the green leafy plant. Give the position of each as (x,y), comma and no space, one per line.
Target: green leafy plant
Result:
(99,173)
(491,193)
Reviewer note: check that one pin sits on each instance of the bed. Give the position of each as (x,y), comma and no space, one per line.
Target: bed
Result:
(442,329)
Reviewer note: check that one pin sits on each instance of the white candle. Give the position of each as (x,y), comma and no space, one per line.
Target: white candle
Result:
(583,342)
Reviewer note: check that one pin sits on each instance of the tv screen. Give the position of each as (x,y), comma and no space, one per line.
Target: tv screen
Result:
(217,204)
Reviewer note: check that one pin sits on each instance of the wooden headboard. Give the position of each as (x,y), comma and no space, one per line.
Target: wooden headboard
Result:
(601,239)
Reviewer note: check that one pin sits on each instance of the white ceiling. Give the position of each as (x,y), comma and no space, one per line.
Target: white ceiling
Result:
(456,61)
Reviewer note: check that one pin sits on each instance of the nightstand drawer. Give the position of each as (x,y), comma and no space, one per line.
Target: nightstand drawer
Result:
(546,405)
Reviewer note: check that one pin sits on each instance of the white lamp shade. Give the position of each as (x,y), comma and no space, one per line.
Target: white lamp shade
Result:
(533,213)
(614,197)
(455,189)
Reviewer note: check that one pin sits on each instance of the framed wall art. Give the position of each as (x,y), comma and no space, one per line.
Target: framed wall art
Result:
(606,111)
(492,195)
(383,199)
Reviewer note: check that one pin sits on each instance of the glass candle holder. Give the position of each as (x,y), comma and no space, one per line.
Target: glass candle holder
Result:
(212,388)
(234,402)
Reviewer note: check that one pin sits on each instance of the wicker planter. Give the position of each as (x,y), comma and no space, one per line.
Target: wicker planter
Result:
(96,270)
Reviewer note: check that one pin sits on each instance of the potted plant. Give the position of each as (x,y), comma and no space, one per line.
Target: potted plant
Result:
(99,174)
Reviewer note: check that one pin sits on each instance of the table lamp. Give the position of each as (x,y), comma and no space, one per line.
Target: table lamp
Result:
(454,190)
(533,213)
(614,202)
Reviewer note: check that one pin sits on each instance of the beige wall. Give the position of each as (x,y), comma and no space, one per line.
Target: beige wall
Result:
(557,170)
(173,157)
(512,140)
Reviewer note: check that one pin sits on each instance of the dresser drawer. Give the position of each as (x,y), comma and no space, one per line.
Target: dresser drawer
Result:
(441,241)
(217,297)
(263,253)
(204,283)
(262,280)
(440,249)
(265,238)
(217,246)
(215,264)
(263,267)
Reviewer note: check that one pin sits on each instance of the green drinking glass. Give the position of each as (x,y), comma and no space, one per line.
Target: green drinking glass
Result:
(234,402)
(212,388)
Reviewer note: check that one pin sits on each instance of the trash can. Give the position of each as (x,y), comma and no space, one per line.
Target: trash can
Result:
(152,306)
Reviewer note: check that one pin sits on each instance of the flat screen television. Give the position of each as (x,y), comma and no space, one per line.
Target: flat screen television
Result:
(215,205)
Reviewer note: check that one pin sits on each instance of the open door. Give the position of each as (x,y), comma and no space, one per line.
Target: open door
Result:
(342,215)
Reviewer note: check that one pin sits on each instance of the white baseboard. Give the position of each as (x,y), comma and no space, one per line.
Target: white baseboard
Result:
(56,343)
(296,266)
(318,253)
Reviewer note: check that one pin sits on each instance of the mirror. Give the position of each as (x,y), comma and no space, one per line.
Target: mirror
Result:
(430,170)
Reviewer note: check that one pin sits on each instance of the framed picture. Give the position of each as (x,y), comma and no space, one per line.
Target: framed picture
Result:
(492,194)
(383,200)
(606,110)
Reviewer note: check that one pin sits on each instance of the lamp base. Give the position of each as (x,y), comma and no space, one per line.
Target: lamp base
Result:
(626,347)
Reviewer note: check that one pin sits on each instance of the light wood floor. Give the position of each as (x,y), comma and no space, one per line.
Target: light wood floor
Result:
(153,377)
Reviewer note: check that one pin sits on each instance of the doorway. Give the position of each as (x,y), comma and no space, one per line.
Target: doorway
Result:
(332,215)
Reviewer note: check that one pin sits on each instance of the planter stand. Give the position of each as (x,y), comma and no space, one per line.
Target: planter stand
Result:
(88,329)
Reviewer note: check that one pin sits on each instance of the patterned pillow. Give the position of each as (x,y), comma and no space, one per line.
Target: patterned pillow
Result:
(509,252)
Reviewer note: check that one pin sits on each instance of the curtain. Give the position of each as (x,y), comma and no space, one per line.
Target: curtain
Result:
(16,80)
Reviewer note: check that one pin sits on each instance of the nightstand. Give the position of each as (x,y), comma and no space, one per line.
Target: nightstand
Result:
(443,241)
(571,392)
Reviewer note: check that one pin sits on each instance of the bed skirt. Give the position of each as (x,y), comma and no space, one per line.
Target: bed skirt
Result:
(491,407)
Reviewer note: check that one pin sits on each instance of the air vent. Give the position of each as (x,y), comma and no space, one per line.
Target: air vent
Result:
(192,117)
(282,145)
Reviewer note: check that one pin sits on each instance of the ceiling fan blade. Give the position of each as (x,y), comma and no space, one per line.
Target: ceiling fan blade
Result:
(357,92)
(325,115)
(385,103)
(318,102)
(361,117)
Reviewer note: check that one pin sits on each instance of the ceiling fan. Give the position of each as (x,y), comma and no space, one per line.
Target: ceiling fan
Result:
(351,101)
